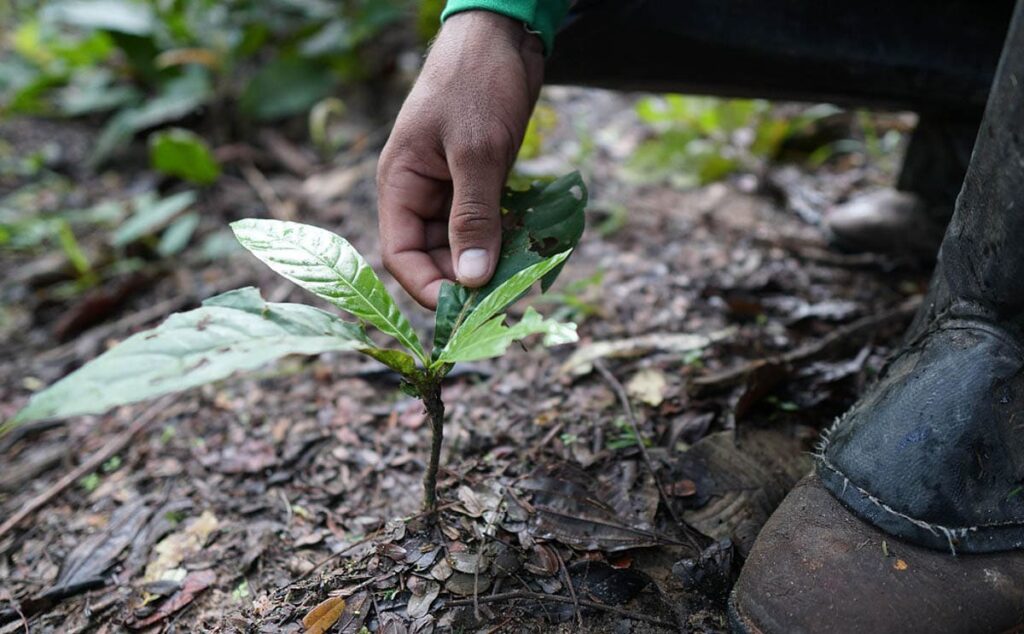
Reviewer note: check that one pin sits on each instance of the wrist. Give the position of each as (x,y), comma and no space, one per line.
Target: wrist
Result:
(495,28)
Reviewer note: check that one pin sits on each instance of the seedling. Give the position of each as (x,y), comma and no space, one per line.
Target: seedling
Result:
(238,330)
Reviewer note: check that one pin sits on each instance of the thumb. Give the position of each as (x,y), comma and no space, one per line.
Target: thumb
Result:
(474,227)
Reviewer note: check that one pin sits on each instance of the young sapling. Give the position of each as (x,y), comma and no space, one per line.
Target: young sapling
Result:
(239,330)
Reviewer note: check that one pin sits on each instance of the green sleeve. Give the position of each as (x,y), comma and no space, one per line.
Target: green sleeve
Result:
(542,16)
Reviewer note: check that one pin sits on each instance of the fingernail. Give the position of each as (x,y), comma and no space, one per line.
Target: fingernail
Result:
(472,264)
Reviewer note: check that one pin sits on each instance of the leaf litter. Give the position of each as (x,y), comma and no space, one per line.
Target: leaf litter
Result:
(303,466)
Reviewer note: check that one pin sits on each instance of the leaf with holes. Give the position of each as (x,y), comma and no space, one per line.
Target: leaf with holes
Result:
(479,321)
(493,337)
(542,221)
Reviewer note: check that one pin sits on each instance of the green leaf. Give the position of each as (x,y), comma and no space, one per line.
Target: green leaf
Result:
(396,360)
(329,267)
(151,216)
(180,97)
(234,331)
(539,222)
(122,16)
(184,154)
(480,317)
(509,291)
(178,235)
(286,87)
(94,90)
(493,337)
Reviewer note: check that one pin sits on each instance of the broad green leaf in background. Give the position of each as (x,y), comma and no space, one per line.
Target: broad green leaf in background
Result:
(122,16)
(286,87)
(94,90)
(493,337)
(183,153)
(329,267)
(544,220)
(179,97)
(234,331)
(177,236)
(150,216)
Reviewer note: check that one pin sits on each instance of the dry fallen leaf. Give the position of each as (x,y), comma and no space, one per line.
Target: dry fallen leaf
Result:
(177,547)
(582,360)
(648,386)
(423,594)
(899,564)
(322,617)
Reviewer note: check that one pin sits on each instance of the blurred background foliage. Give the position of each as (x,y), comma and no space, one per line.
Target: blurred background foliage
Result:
(173,88)
(145,64)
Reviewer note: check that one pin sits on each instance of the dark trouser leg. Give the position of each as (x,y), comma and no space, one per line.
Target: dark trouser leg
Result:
(934,58)
(933,451)
(911,219)
(932,457)
(936,161)
(911,54)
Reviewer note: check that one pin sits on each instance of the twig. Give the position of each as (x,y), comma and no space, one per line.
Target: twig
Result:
(547,438)
(863,326)
(620,391)
(266,193)
(329,558)
(570,588)
(556,598)
(151,413)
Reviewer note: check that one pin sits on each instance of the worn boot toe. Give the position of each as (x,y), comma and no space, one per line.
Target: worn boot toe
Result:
(818,568)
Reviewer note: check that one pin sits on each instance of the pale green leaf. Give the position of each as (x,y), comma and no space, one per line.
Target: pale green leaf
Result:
(133,18)
(151,215)
(493,337)
(286,87)
(178,235)
(498,299)
(234,331)
(329,267)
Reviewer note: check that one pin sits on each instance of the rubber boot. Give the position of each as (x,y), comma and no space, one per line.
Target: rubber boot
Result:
(914,518)
(909,220)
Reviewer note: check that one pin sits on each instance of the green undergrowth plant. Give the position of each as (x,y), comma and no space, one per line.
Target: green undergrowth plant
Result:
(239,330)
(141,65)
(700,140)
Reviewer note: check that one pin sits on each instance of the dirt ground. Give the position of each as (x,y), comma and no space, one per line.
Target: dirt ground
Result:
(717,318)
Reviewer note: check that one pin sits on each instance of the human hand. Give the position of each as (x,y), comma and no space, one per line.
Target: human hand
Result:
(443,168)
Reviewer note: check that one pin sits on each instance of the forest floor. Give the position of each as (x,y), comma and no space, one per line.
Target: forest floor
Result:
(717,319)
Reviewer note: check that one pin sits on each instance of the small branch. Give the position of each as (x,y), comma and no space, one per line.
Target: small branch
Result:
(555,598)
(268,196)
(94,461)
(862,328)
(620,391)
(571,589)
(431,395)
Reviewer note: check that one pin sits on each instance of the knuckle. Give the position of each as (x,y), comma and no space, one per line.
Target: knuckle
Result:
(472,221)
(489,146)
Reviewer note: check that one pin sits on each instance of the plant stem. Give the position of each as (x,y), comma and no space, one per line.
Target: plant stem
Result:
(431,396)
